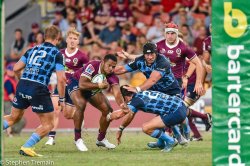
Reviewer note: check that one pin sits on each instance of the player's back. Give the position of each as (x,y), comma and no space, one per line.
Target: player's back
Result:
(158,103)
(40,63)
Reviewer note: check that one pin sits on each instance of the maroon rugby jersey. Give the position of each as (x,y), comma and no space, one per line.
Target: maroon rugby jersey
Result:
(74,61)
(207,44)
(176,54)
(93,68)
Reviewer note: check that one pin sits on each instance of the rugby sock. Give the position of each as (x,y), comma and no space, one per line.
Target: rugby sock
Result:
(176,131)
(186,127)
(194,128)
(52,134)
(101,135)
(198,114)
(34,138)
(157,133)
(5,124)
(77,134)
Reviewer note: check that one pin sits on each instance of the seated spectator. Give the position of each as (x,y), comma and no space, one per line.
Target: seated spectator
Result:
(18,47)
(102,15)
(71,18)
(155,32)
(39,40)
(198,42)
(183,14)
(110,33)
(122,14)
(127,36)
(60,22)
(35,29)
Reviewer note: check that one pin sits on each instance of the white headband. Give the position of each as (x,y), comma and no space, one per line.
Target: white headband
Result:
(171,30)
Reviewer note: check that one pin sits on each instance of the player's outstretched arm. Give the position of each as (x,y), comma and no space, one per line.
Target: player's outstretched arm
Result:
(61,84)
(126,121)
(126,55)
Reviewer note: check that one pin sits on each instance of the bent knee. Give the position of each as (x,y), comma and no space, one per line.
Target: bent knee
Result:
(145,128)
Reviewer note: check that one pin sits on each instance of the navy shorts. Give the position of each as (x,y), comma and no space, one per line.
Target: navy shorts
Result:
(73,86)
(67,97)
(33,94)
(176,117)
(190,92)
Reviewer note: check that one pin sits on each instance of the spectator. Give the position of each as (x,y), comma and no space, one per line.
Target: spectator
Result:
(71,17)
(18,47)
(110,33)
(102,15)
(10,84)
(60,22)
(121,13)
(198,42)
(155,33)
(183,15)
(35,29)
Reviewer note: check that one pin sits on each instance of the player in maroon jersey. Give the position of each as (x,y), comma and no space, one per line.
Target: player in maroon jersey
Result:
(74,60)
(207,52)
(80,89)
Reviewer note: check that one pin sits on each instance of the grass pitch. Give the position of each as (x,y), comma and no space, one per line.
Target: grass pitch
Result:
(132,151)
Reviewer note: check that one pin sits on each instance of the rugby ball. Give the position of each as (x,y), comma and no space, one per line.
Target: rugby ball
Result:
(99,78)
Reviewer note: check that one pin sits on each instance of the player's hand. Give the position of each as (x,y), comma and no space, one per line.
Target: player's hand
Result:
(122,54)
(103,85)
(131,89)
(199,89)
(118,137)
(124,106)
(208,68)
(62,105)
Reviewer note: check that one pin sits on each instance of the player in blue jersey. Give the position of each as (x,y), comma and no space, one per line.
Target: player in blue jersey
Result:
(37,64)
(171,111)
(157,70)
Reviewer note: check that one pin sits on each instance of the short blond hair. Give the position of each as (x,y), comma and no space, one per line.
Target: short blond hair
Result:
(73,31)
(52,32)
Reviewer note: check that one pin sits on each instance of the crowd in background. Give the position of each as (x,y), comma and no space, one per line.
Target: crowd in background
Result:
(109,26)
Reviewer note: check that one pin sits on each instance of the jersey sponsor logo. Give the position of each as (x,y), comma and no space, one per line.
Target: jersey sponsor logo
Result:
(40,107)
(178,52)
(75,61)
(90,69)
(25,96)
(68,60)
(162,51)
(14,100)
(170,51)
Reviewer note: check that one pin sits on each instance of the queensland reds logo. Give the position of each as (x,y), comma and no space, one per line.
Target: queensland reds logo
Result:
(75,61)
(178,52)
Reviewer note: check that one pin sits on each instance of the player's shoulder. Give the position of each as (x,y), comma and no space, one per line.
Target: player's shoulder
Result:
(161,43)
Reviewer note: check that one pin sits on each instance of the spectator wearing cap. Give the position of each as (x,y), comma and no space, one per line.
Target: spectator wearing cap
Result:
(18,47)
(60,22)
(10,84)
(35,29)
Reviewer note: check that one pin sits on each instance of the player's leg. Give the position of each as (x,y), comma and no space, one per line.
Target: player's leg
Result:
(154,129)
(15,115)
(101,102)
(41,105)
(80,105)
(52,133)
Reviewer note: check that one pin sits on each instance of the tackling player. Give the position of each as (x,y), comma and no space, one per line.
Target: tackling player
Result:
(171,111)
